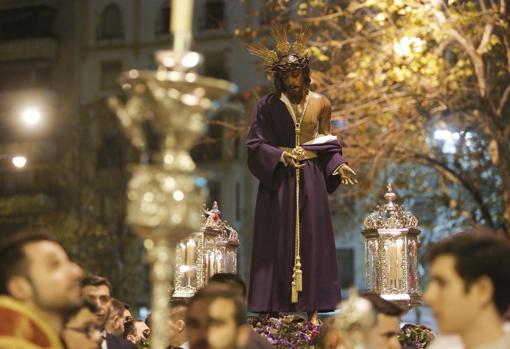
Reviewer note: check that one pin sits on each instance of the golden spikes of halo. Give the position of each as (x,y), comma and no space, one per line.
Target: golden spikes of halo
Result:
(302,37)
(270,57)
(280,36)
(283,47)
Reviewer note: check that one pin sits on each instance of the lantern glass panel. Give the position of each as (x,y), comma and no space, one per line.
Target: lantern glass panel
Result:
(230,261)
(412,263)
(371,264)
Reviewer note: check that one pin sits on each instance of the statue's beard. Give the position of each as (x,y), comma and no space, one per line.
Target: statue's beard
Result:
(295,93)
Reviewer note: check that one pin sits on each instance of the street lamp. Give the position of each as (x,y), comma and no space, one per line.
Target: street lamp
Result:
(31,116)
(19,161)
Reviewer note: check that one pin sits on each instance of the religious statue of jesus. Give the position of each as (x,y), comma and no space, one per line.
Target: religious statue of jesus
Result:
(298,162)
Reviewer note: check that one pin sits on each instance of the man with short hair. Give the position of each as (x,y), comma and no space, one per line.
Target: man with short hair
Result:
(216,319)
(469,287)
(39,285)
(237,284)
(177,334)
(127,316)
(98,289)
(136,331)
(232,280)
(115,321)
(384,335)
(83,330)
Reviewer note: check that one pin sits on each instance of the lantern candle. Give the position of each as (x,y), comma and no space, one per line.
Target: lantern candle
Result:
(218,263)
(393,263)
(398,263)
(211,264)
(182,247)
(190,252)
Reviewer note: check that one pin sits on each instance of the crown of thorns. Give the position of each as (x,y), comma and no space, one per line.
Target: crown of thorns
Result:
(285,56)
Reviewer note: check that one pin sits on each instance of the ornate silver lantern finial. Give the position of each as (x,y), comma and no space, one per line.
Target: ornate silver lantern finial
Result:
(390,215)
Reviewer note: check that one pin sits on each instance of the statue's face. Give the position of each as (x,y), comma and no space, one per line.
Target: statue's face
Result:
(294,85)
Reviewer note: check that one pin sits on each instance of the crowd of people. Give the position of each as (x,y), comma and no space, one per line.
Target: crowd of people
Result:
(46,301)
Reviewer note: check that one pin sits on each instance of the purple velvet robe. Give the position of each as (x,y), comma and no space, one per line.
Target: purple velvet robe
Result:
(274,232)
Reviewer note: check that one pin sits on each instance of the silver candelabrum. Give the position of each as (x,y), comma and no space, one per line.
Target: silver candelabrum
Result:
(163,116)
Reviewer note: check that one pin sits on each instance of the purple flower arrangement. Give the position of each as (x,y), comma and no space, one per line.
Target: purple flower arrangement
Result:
(287,332)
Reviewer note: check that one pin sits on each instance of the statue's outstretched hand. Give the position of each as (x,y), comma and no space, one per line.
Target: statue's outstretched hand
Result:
(347,175)
(290,159)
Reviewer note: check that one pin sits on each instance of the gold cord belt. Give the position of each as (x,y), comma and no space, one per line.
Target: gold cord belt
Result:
(300,153)
(297,274)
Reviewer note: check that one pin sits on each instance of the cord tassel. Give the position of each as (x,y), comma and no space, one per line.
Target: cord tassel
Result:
(294,296)
(299,275)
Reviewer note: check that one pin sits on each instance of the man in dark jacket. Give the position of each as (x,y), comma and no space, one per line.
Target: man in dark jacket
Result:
(98,289)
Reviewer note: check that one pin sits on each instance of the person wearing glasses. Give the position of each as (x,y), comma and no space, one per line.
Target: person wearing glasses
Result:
(84,330)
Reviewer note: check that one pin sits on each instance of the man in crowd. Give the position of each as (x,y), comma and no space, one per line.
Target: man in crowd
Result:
(384,335)
(178,337)
(216,319)
(469,288)
(116,318)
(83,330)
(39,286)
(236,284)
(97,289)
(127,313)
(136,331)
(329,337)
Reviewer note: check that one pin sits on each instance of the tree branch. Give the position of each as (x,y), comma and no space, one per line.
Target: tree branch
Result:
(507,46)
(487,32)
(475,58)
(464,182)
(503,101)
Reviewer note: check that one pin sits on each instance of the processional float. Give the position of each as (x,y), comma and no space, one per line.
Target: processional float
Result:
(164,202)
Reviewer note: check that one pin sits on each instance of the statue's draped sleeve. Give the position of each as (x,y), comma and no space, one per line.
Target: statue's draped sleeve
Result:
(263,156)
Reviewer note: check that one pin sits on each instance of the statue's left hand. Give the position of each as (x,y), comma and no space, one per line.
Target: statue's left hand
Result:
(347,175)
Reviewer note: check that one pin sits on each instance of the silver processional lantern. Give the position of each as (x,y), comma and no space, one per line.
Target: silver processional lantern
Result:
(391,253)
(202,254)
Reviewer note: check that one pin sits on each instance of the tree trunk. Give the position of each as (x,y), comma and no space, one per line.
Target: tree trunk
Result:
(504,170)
